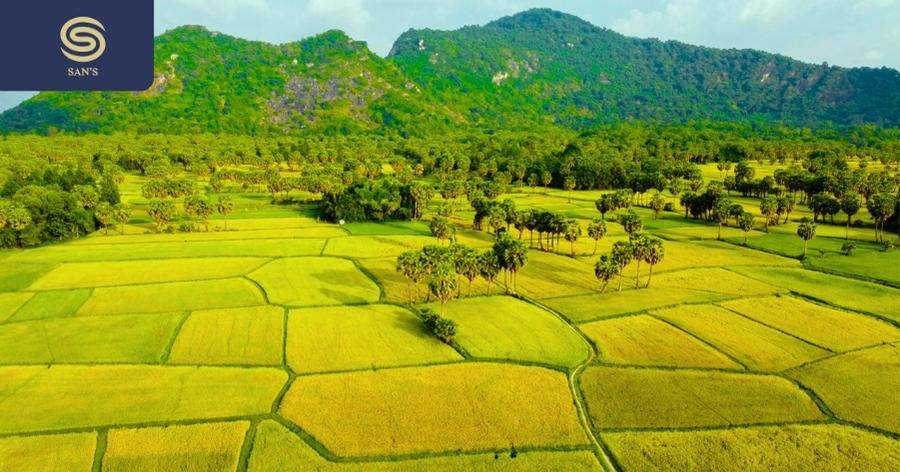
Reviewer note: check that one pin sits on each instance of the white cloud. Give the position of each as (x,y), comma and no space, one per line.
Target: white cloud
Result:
(347,14)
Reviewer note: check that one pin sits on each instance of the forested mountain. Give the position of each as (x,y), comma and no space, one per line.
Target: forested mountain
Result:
(211,82)
(543,65)
(533,69)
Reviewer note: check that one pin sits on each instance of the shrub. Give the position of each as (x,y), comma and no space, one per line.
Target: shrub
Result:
(669,207)
(443,328)
(887,246)
(848,249)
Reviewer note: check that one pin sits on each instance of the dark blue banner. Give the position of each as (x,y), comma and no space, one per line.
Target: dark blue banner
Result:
(76,45)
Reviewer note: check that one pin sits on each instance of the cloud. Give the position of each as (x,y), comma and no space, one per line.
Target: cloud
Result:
(347,14)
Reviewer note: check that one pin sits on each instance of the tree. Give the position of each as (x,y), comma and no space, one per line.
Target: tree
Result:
(421,194)
(104,214)
(806,231)
(546,178)
(631,222)
(161,212)
(605,204)
(512,255)
(640,247)
(745,222)
(121,215)
(720,214)
(488,268)
(441,228)
(597,231)
(467,264)
(572,233)
(654,254)
(605,269)
(657,204)
(851,202)
(199,207)
(881,207)
(622,254)
(224,207)
(442,284)
(768,206)
(14,215)
(442,328)
(410,265)
(569,185)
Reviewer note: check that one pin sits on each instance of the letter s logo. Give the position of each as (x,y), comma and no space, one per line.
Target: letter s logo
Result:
(82,39)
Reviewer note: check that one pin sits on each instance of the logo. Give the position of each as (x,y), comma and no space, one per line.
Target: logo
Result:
(83,39)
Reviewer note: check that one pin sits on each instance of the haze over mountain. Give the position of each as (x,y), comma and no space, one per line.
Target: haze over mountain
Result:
(535,68)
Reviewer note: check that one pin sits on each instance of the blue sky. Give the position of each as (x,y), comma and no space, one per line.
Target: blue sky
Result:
(840,32)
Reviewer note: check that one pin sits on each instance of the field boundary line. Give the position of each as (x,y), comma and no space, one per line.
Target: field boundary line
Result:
(167,352)
(247,446)
(100,450)
(703,341)
(774,328)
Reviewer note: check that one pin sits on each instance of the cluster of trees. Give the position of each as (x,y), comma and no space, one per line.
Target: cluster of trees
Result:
(639,248)
(197,207)
(444,268)
(377,200)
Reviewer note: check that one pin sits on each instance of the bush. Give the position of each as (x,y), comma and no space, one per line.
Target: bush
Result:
(848,249)
(887,246)
(859,223)
(443,328)
(669,207)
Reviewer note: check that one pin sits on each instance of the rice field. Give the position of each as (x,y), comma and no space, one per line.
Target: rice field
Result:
(860,386)
(509,329)
(756,346)
(285,343)
(315,282)
(816,447)
(646,341)
(462,407)
(337,339)
(628,398)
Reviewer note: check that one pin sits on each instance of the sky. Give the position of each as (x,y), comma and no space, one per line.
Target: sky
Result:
(841,32)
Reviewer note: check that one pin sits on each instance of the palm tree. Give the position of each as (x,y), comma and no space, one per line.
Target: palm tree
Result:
(850,204)
(605,204)
(442,284)
(720,213)
(631,222)
(768,207)
(410,265)
(640,246)
(881,207)
(467,265)
(104,214)
(745,222)
(806,231)
(572,233)
(440,228)
(121,215)
(657,204)
(512,256)
(488,268)
(655,254)
(224,207)
(605,269)
(597,231)
(622,254)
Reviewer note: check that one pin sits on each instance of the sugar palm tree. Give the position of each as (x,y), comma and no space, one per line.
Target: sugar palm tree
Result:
(655,254)
(806,231)
(597,231)
(605,269)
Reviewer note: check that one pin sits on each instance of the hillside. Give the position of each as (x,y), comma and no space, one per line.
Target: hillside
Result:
(539,67)
(210,82)
(543,65)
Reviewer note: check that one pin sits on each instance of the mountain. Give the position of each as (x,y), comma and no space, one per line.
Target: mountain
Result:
(543,65)
(211,82)
(536,68)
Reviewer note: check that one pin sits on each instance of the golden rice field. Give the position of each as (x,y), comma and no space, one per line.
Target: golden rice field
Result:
(284,343)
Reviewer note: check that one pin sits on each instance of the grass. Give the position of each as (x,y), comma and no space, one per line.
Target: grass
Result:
(319,232)
(147,251)
(351,338)
(551,275)
(506,328)
(650,398)
(316,281)
(582,308)
(209,447)
(180,296)
(756,346)
(460,407)
(110,274)
(57,453)
(11,302)
(18,275)
(861,386)
(877,265)
(716,281)
(646,341)
(117,339)
(242,336)
(687,255)
(396,228)
(277,449)
(57,304)
(853,294)
(824,326)
(814,447)
(64,397)
(364,247)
